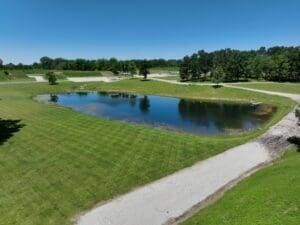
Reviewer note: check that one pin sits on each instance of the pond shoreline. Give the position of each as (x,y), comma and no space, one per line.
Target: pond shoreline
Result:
(168,113)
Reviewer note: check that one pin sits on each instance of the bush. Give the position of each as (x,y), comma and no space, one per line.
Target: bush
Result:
(52,79)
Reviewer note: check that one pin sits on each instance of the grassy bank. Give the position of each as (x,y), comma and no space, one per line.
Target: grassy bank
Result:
(176,78)
(62,162)
(13,75)
(170,70)
(21,75)
(269,197)
(69,73)
(293,88)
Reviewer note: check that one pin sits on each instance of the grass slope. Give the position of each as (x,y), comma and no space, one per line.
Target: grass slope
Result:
(170,70)
(14,75)
(70,73)
(293,88)
(269,197)
(176,78)
(62,74)
(62,162)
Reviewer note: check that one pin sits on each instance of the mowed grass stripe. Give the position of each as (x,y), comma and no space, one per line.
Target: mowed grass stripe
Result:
(63,162)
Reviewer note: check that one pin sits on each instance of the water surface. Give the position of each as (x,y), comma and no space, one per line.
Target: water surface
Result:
(170,113)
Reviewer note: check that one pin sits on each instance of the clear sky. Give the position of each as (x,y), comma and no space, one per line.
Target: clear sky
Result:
(30,29)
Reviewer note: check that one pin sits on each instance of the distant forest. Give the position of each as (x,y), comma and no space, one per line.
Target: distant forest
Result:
(228,65)
(112,64)
(273,64)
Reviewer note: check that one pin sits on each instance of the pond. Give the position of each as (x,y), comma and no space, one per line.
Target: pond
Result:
(191,116)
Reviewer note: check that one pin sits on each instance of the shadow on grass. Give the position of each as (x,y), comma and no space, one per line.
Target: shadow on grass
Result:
(8,128)
(217,86)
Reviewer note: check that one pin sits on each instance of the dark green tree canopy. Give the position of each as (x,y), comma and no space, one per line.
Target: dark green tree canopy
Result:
(276,64)
(114,65)
(144,69)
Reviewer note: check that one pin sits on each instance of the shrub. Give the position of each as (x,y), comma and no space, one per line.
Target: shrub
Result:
(52,79)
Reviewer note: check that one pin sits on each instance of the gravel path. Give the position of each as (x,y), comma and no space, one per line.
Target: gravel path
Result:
(174,195)
(294,97)
(166,200)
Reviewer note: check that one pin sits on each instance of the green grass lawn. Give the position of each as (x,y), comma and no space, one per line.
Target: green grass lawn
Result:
(293,88)
(176,78)
(269,197)
(171,70)
(62,162)
(70,73)
(62,74)
(14,75)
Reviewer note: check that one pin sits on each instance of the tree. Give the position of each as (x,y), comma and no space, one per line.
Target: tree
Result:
(184,69)
(144,69)
(1,63)
(195,67)
(259,67)
(294,62)
(46,62)
(52,79)
(280,68)
(132,68)
(114,66)
(115,71)
(205,63)
(218,75)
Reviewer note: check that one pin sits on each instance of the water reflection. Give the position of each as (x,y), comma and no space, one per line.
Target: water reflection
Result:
(172,113)
(224,115)
(53,98)
(144,104)
(82,93)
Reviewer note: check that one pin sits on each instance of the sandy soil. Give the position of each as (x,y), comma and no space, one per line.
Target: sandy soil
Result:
(38,78)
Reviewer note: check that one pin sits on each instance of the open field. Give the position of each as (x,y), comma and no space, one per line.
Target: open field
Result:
(176,78)
(62,162)
(14,75)
(86,73)
(171,70)
(269,197)
(293,88)
(21,75)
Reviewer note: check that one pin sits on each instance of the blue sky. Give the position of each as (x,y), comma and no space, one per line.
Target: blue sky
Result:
(30,29)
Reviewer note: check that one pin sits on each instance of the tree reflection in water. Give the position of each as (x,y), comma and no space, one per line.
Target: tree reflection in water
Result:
(144,104)
(221,115)
(53,98)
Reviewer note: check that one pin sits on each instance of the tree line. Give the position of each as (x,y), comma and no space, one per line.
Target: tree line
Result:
(273,64)
(114,65)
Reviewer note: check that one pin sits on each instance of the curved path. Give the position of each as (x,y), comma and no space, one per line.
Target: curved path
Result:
(171,198)
(294,97)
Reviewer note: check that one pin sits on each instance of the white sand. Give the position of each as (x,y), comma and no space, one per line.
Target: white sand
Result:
(38,78)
